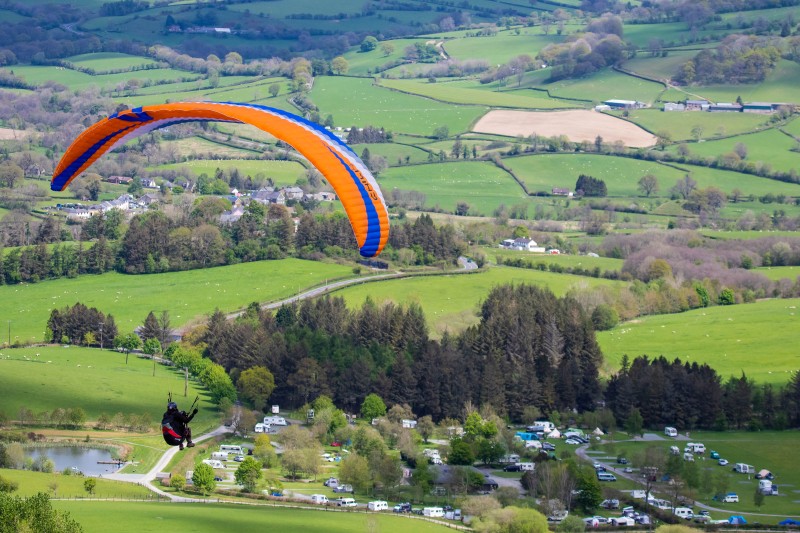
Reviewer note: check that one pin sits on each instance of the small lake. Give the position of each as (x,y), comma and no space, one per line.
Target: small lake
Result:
(84,459)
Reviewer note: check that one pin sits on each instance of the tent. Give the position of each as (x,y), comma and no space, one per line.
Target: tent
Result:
(737,520)
(598,432)
(555,434)
(789,522)
(764,474)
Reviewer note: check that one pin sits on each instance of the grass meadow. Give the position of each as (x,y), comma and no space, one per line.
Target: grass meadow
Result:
(37,75)
(780,86)
(602,85)
(482,185)
(659,67)
(394,153)
(186,295)
(451,303)
(770,146)
(71,487)
(545,171)
(281,172)
(363,63)
(501,47)
(471,92)
(105,61)
(140,517)
(194,147)
(357,102)
(730,339)
(680,124)
(58,377)
(782,272)
(564,260)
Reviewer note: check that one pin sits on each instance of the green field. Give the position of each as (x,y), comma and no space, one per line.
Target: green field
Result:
(471,92)
(730,339)
(186,295)
(482,185)
(194,147)
(784,272)
(564,260)
(602,85)
(769,146)
(451,303)
(357,102)
(281,172)
(364,63)
(75,80)
(501,47)
(780,86)
(232,90)
(31,483)
(43,378)
(130,517)
(621,175)
(659,67)
(105,61)
(393,152)
(680,124)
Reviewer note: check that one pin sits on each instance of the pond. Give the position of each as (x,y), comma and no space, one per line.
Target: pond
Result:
(83,459)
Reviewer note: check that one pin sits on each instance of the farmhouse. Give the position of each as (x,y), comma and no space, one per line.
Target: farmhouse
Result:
(522,244)
(697,105)
(119,180)
(269,196)
(557,191)
(293,193)
(229,217)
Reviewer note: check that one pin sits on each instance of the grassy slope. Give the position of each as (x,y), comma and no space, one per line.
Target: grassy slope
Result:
(58,377)
(354,101)
(542,172)
(501,47)
(281,172)
(129,517)
(730,339)
(470,92)
(482,185)
(780,86)
(31,483)
(109,61)
(451,302)
(776,273)
(603,85)
(187,295)
(681,124)
(770,146)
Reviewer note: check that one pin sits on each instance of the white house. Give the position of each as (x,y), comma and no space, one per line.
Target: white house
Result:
(522,244)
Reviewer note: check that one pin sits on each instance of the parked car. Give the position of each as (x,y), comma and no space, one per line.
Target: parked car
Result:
(511,468)
(714,454)
(239,458)
(572,440)
(343,488)
(628,470)
(731,498)
(402,508)
(722,462)
(548,447)
(217,478)
(622,460)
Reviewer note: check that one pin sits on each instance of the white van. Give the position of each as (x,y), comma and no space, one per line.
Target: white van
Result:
(346,502)
(684,512)
(231,448)
(670,432)
(220,456)
(214,463)
(433,512)
(605,476)
(378,506)
(320,499)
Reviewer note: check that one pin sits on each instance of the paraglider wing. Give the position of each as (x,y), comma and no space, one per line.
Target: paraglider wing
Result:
(348,175)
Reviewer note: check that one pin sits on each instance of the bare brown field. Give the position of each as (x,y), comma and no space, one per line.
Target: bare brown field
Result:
(9,134)
(577,125)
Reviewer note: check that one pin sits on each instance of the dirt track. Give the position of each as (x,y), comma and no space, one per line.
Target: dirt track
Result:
(577,125)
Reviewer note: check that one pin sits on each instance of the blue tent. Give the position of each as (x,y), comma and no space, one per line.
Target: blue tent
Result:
(789,522)
(737,520)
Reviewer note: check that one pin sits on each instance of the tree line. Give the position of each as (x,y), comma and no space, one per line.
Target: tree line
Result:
(657,392)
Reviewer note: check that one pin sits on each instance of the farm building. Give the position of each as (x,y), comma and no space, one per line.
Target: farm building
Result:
(759,107)
(522,244)
(119,180)
(557,191)
(725,108)
(697,105)
(673,106)
(624,104)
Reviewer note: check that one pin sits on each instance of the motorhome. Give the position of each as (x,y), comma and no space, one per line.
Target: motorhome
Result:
(320,499)
(674,450)
(214,463)
(670,431)
(346,502)
(684,512)
(433,512)
(744,468)
(767,487)
(275,420)
(695,447)
(220,456)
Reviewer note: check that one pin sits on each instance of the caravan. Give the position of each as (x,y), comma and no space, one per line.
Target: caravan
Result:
(231,448)
(378,505)
(433,512)
(214,463)
(684,512)
(670,431)
(275,420)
